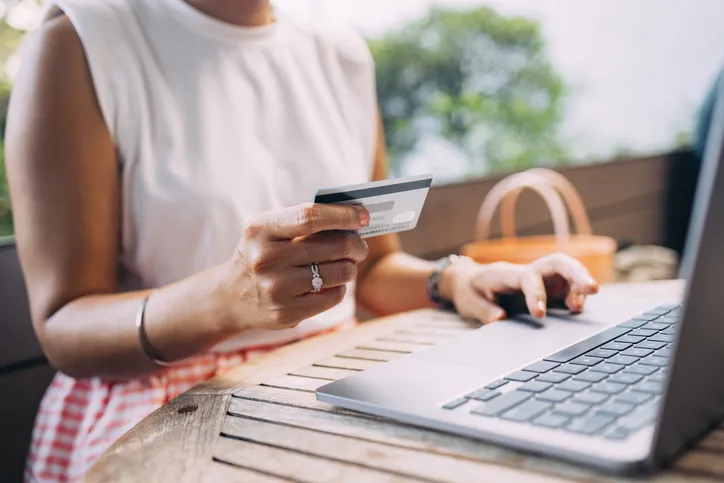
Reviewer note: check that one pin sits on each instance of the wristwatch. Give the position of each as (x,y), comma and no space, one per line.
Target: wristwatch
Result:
(433,282)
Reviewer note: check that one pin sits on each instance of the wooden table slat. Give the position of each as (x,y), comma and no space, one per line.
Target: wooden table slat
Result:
(293,409)
(370,355)
(217,471)
(346,363)
(296,466)
(391,346)
(327,373)
(392,459)
(287,381)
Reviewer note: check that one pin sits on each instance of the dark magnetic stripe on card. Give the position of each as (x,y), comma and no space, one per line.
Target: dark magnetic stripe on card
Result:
(369,192)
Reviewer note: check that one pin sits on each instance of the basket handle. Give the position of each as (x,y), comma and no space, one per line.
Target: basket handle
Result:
(516,183)
(566,190)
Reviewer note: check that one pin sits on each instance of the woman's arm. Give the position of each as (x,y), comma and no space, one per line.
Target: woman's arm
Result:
(64,184)
(65,189)
(392,281)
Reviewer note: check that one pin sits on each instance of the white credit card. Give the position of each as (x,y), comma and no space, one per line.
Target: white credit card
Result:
(394,204)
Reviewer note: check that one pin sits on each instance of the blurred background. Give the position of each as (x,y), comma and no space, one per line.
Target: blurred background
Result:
(470,88)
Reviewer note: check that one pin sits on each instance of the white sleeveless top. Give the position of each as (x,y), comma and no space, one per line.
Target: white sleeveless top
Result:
(215,124)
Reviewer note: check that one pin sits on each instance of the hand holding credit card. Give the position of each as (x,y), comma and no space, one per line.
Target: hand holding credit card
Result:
(394,205)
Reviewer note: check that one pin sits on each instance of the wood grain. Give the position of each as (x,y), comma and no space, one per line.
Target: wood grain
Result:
(295,465)
(172,444)
(386,458)
(216,471)
(370,355)
(346,363)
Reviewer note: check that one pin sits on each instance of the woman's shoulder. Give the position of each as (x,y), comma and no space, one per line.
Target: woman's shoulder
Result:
(349,46)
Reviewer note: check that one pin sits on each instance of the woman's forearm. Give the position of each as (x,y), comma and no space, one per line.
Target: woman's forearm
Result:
(96,335)
(398,283)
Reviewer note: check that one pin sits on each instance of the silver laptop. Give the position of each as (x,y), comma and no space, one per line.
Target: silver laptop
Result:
(624,387)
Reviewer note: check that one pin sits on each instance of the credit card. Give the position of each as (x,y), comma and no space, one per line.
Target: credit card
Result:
(394,204)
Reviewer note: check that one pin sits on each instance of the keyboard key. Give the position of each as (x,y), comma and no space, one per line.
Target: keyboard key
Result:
(496,384)
(483,394)
(589,425)
(624,378)
(655,326)
(650,344)
(670,331)
(554,395)
(455,404)
(608,387)
(630,339)
(526,411)
(618,434)
(649,387)
(607,368)
(591,398)
(571,408)
(570,369)
(655,361)
(643,332)
(576,350)
(589,376)
(614,409)
(616,346)
(665,352)
(521,376)
(573,386)
(634,397)
(502,403)
(551,420)
(654,313)
(553,377)
(642,370)
(636,352)
(535,386)
(623,360)
(662,338)
(602,353)
(667,319)
(639,419)
(634,323)
(586,361)
(658,377)
(541,367)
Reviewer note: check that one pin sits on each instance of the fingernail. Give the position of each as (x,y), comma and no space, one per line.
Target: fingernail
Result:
(541,306)
(364,216)
(498,316)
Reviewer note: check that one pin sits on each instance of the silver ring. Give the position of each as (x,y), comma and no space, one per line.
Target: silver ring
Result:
(317,281)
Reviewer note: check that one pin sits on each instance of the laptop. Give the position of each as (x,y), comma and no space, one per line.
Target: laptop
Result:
(624,387)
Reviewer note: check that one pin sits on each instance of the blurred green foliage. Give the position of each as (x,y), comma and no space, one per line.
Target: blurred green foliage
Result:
(6,217)
(477,79)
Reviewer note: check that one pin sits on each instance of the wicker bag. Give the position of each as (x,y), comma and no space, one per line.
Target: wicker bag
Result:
(596,253)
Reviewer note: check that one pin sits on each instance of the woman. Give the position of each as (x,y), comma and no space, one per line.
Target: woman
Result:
(159,155)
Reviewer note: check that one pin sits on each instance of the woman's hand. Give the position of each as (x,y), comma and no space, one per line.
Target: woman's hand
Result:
(473,287)
(269,280)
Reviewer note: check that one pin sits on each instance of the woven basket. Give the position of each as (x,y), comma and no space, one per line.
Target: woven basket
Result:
(596,253)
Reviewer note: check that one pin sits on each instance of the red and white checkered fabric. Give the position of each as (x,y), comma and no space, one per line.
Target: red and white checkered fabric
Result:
(80,418)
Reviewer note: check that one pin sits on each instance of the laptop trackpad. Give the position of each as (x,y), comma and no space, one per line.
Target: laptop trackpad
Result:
(502,346)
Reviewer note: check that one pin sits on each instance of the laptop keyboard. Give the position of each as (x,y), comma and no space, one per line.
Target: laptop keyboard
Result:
(608,385)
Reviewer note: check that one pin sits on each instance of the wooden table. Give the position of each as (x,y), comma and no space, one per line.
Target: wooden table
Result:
(262,423)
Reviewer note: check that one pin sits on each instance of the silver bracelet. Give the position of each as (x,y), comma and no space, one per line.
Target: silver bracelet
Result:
(142,339)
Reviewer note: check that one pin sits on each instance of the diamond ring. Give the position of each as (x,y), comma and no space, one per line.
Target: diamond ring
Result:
(316,279)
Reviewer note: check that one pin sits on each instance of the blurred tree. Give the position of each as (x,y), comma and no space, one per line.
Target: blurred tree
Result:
(6,219)
(477,79)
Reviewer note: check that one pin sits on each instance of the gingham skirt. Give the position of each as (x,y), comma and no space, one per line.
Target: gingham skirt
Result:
(79,419)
